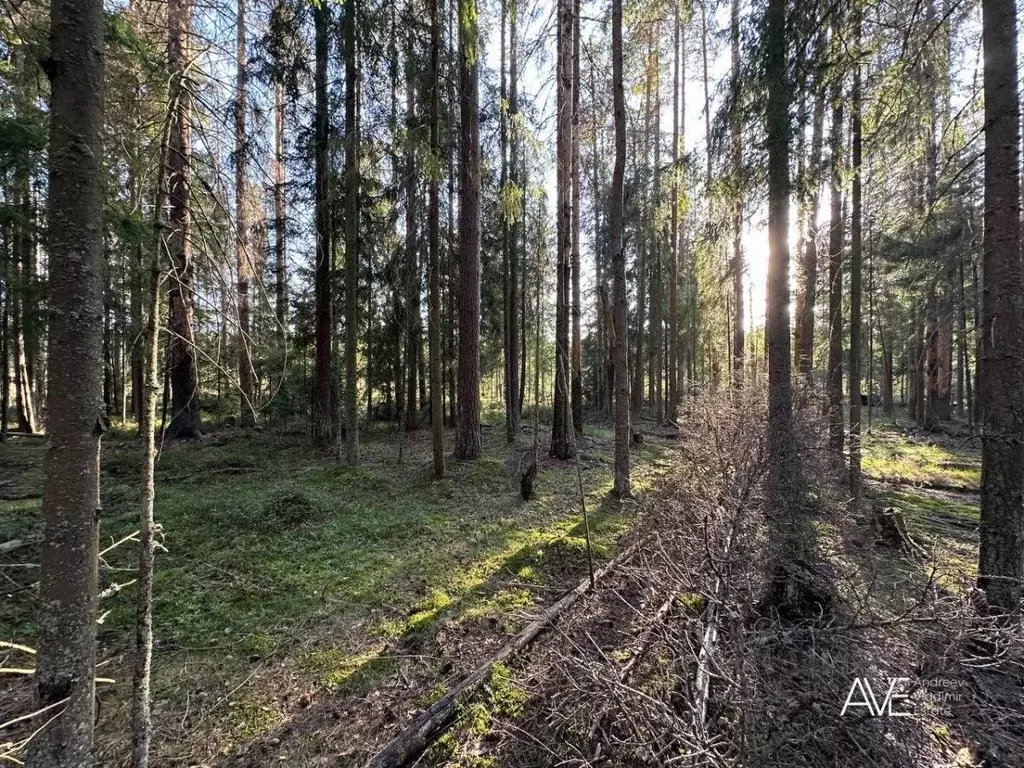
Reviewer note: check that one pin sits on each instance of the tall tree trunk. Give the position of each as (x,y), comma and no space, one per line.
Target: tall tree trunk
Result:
(1001,558)
(434,257)
(323,413)
(467,419)
(75,421)
(561,446)
(413,345)
(673,277)
(657,279)
(834,380)
(576,352)
(243,255)
(182,359)
(515,395)
(280,257)
(736,146)
(856,260)
(640,269)
(351,234)
(788,532)
(809,270)
(620,487)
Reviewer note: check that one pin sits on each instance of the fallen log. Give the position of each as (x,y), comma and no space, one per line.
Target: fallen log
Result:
(430,724)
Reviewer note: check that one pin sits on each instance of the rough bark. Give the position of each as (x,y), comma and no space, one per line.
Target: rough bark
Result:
(323,416)
(809,266)
(620,487)
(75,421)
(576,351)
(280,256)
(1001,558)
(434,257)
(856,262)
(182,360)
(834,379)
(243,256)
(736,150)
(515,376)
(351,11)
(467,416)
(561,446)
(673,277)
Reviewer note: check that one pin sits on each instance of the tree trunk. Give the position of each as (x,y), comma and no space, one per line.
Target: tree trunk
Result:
(1001,558)
(75,421)
(280,257)
(673,278)
(434,257)
(789,537)
(323,414)
(413,345)
(809,271)
(515,395)
(736,148)
(576,352)
(243,255)
(351,10)
(561,446)
(620,487)
(467,418)
(834,380)
(856,261)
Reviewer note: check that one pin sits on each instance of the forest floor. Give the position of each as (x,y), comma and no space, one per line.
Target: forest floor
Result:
(307,611)
(294,585)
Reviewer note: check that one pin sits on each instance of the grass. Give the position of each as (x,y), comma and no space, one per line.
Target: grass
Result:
(890,454)
(276,554)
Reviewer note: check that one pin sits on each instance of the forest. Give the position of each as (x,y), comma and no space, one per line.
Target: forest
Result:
(486,383)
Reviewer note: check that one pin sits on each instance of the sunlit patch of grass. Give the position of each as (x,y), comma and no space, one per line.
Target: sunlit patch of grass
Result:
(249,718)
(889,454)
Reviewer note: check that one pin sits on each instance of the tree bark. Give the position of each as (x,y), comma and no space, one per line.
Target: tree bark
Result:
(856,261)
(75,420)
(351,10)
(182,359)
(1001,557)
(467,417)
(323,413)
(515,376)
(434,257)
(243,256)
(280,256)
(834,380)
(809,270)
(576,352)
(561,446)
(620,487)
(736,148)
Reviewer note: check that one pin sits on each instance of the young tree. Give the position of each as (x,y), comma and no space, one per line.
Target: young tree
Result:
(516,378)
(467,421)
(620,487)
(1001,558)
(75,419)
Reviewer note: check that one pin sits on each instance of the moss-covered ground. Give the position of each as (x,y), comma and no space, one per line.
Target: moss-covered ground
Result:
(277,558)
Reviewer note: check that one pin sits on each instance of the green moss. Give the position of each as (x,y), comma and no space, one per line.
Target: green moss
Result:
(248,718)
